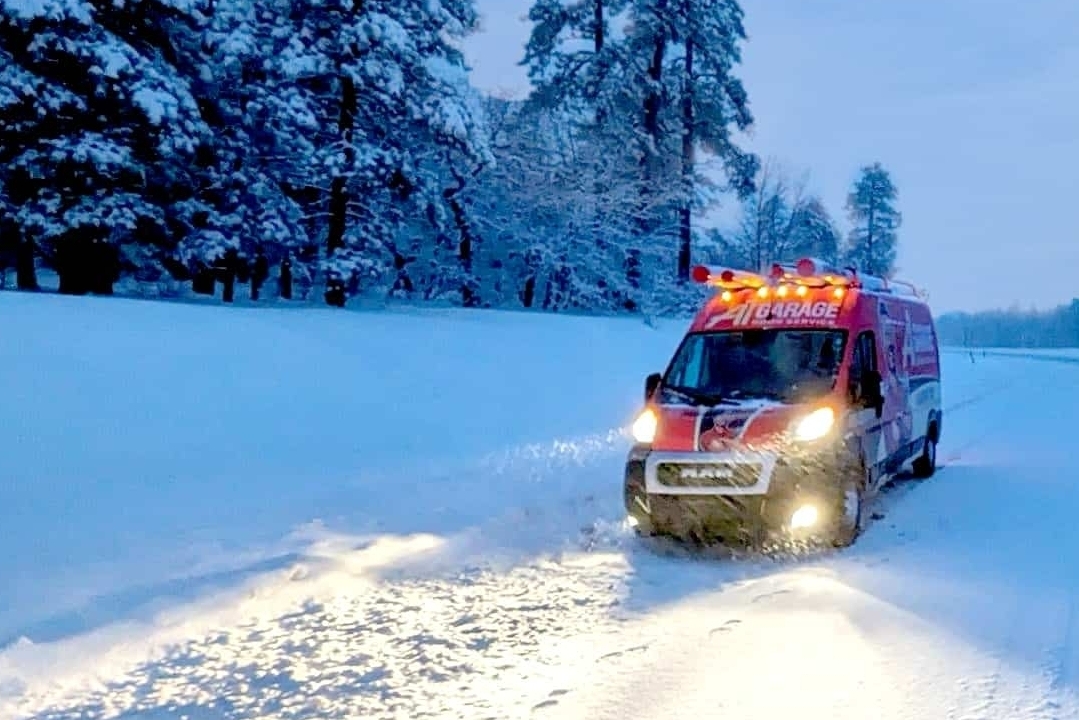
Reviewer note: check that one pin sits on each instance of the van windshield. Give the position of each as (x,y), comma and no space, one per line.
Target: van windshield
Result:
(785,365)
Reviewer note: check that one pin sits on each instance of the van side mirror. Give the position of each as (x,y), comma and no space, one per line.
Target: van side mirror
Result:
(650,385)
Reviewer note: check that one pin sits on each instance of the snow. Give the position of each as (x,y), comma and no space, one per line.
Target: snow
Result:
(390,35)
(16,83)
(115,57)
(49,9)
(451,117)
(1031,353)
(157,104)
(88,149)
(232,512)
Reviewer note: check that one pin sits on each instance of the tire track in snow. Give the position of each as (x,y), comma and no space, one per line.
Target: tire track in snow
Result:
(476,644)
(485,644)
(983,393)
(1062,663)
(1041,628)
(1007,691)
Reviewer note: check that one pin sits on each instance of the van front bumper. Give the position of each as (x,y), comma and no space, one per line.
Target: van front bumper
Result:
(743,499)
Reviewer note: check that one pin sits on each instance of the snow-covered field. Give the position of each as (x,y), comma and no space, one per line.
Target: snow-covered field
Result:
(230,513)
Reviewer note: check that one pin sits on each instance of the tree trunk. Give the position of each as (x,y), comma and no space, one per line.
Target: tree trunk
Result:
(335,236)
(597,186)
(285,279)
(106,267)
(688,159)
(869,242)
(598,8)
(74,262)
(528,295)
(758,229)
(652,102)
(465,237)
(203,281)
(228,285)
(25,269)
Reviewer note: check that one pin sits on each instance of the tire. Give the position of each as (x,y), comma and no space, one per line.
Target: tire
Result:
(644,527)
(925,465)
(850,517)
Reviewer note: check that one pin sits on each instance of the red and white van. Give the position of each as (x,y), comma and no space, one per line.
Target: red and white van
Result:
(794,397)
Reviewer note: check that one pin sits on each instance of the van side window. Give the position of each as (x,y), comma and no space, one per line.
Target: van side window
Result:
(864,355)
(689,365)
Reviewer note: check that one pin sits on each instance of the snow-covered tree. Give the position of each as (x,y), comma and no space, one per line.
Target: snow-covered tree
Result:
(814,234)
(574,59)
(872,243)
(399,127)
(579,62)
(534,210)
(780,222)
(104,136)
(255,189)
(713,101)
(343,142)
(649,85)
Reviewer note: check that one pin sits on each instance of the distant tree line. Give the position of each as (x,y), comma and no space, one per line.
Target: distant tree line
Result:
(339,149)
(1014,328)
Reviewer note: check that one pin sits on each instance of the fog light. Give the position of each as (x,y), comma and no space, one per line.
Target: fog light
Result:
(804,517)
(632,521)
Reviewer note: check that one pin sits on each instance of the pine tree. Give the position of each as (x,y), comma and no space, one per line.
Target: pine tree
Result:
(814,232)
(572,61)
(872,243)
(266,125)
(399,127)
(102,135)
(578,61)
(712,99)
(647,98)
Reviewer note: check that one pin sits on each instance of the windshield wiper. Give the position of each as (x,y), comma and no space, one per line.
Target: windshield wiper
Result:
(763,394)
(698,397)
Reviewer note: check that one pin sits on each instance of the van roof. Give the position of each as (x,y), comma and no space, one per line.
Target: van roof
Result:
(809,294)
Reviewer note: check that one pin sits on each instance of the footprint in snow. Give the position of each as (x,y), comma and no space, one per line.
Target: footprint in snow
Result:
(725,627)
(551,701)
(617,653)
(769,595)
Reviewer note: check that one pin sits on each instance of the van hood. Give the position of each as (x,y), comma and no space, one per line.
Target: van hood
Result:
(723,427)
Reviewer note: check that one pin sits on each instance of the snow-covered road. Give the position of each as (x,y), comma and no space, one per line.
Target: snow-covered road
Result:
(494,581)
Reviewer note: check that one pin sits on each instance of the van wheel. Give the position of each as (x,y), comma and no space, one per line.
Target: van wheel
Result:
(851,506)
(926,463)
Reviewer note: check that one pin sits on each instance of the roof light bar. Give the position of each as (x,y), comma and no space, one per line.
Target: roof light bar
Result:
(728,278)
(807,272)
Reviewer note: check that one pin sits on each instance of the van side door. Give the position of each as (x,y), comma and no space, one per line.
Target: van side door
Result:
(869,428)
(898,418)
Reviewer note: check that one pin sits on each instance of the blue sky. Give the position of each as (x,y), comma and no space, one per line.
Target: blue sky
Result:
(971,104)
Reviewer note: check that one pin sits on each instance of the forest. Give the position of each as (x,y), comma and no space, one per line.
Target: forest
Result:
(324,152)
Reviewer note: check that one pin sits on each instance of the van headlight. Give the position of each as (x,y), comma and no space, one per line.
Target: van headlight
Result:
(644,427)
(815,425)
